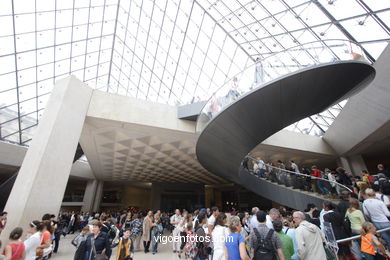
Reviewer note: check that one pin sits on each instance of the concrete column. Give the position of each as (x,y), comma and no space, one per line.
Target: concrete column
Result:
(98,196)
(89,195)
(41,182)
(357,164)
(343,162)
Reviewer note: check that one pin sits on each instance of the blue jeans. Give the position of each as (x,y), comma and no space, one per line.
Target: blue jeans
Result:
(262,173)
(323,190)
(385,235)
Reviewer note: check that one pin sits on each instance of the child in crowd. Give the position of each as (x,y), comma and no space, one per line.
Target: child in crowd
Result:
(370,243)
(125,247)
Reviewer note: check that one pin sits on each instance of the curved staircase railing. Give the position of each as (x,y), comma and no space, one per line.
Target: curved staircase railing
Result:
(275,66)
(297,180)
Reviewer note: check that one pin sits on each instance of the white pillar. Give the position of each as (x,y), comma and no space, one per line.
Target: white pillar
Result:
(89,196)
(357,164)
(343,162)
(41,182)
(98,196)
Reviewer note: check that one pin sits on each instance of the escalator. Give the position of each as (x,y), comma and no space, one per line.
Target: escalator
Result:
(229,128)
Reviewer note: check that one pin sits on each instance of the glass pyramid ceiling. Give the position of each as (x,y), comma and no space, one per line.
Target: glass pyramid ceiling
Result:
(167,51)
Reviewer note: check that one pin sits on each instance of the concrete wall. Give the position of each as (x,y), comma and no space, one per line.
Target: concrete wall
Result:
(364,113)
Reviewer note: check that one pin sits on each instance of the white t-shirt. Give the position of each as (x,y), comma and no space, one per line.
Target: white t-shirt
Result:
(383,198)
(376,210)
(294,166)
(31,245)
(269,222)
(261,164)
(176,219)
(211,220)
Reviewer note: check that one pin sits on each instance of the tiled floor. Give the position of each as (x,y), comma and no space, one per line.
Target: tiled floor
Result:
(66,252)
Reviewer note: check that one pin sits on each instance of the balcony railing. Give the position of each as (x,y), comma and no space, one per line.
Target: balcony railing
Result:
(275,66)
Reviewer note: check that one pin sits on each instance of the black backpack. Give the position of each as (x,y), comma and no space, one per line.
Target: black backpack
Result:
(264,249)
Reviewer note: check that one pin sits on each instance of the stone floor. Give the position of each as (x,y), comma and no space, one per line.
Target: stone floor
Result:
(66,252)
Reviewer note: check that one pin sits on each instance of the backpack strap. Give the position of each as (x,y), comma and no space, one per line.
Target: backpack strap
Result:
(269,235)
(285,232)
(257,234)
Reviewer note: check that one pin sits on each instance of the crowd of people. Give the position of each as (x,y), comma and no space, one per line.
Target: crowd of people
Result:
(278,233)
(327,182)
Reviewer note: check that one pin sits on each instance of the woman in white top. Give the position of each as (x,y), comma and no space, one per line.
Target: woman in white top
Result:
(219,234)
(34,239)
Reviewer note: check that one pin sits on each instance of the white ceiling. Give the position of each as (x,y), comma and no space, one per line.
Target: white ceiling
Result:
(137,153)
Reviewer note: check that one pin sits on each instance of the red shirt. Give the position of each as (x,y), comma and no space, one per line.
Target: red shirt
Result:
(316,173)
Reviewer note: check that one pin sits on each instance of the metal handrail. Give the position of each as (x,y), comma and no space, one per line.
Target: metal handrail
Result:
(358,236)
(314,60)
(301,174)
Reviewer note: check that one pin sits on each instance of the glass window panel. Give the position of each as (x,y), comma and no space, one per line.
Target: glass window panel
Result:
(343,9)
(93,45)
(27,92)
(80,32)
(25,42)
(311,14)
(289,21)
(8,81)
(45,86)
(42,101)
(45,55)
(94,30)
(28,106)
(21,6)
(5,7)
(385,17)
(8,98)
(26,76)
(80,15)
(45,21)
(6,45)
(7,64)
(8,131)
(26,59)
(64,18)
(293,3)
(273,6)
(24,23)
(7,27)
(365,29)
(45,38)
(78,62)
(377,5)
(108,27)
(110,12)
(62,67)
(90,73)
(304,36)
(79,48)
(63,35)
(375,49)
(96,14)
(62,52)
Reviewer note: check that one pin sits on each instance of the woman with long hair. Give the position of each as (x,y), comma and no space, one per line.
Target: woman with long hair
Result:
(34,239)
(219,234)
(45,248)
(15,250)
